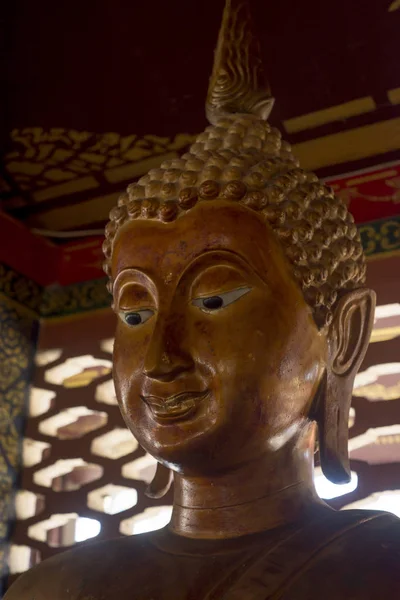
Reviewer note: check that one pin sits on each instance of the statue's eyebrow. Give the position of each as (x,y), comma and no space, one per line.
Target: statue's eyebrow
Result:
(230,257)
(134,271)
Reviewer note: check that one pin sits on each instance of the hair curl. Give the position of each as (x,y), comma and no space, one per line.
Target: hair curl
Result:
(242,159)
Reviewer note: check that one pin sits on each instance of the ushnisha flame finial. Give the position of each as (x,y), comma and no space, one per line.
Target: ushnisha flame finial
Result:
(238,83)
(241,158)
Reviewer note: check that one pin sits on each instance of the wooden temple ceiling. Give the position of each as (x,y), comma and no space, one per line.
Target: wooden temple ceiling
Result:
(98,93)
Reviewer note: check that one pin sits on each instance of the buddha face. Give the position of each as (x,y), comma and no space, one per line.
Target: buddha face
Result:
(217,357)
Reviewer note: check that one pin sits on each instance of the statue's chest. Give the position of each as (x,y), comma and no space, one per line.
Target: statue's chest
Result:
(185,578)
(161,576)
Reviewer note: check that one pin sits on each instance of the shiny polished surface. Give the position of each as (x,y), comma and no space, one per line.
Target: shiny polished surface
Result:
(243,320)
(227,356)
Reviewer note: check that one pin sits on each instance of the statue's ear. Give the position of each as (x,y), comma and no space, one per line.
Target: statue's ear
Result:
(350,331)
(348,339)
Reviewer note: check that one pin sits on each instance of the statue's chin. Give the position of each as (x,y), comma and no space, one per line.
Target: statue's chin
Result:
(181,435)
(200,434)
(195,450)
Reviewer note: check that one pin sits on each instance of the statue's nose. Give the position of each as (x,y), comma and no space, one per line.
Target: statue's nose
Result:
(167,356)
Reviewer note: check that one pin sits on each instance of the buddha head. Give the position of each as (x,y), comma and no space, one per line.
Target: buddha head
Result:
(238,282)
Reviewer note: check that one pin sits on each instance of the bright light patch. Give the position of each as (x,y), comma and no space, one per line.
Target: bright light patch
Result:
(328,490)
(150,519)
(154,521)
(86,528)
(373,373)
(388,501)
(112,499)
(387,310)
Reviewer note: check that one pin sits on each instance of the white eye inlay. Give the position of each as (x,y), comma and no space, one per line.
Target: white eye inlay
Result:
(219,301)
(137,317)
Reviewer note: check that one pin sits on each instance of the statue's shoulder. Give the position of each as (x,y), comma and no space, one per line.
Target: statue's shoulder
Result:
(360,561)
(67,575)
(368,532)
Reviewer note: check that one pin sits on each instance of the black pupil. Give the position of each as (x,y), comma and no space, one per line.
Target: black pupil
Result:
(213,303)
(133,318)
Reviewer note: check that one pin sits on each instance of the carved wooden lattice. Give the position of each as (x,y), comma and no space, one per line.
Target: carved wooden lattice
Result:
(83,474)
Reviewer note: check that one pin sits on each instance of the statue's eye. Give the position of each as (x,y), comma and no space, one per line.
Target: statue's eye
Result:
(214,303)
(133,319)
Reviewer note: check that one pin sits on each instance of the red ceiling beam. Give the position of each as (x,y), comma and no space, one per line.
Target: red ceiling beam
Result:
(28,254)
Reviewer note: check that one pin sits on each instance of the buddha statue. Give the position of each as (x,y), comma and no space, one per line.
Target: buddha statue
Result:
(238,283)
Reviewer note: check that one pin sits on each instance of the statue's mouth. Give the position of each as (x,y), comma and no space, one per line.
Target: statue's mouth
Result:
(174,407)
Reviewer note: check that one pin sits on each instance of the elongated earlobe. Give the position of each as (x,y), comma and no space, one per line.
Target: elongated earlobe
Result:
(161,482)
(332,418)
(348,339)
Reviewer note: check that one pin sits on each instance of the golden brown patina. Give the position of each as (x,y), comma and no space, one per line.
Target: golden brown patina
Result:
(237,279)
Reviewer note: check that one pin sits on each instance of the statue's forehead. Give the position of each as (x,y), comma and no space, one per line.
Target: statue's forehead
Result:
(219,225)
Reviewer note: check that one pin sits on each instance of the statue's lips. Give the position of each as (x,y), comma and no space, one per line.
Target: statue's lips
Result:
(174,407)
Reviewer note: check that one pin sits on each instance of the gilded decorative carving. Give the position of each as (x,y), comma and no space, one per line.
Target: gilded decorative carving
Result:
(16,353)
(395,5)
(86,377)
(349,194)
(381,236)
(54,300)
(19,288)
(59,301)
(385,334)
(388,439)
(44,158)
(378,391)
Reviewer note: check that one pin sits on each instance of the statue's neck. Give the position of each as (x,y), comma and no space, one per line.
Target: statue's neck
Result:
(273,491)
